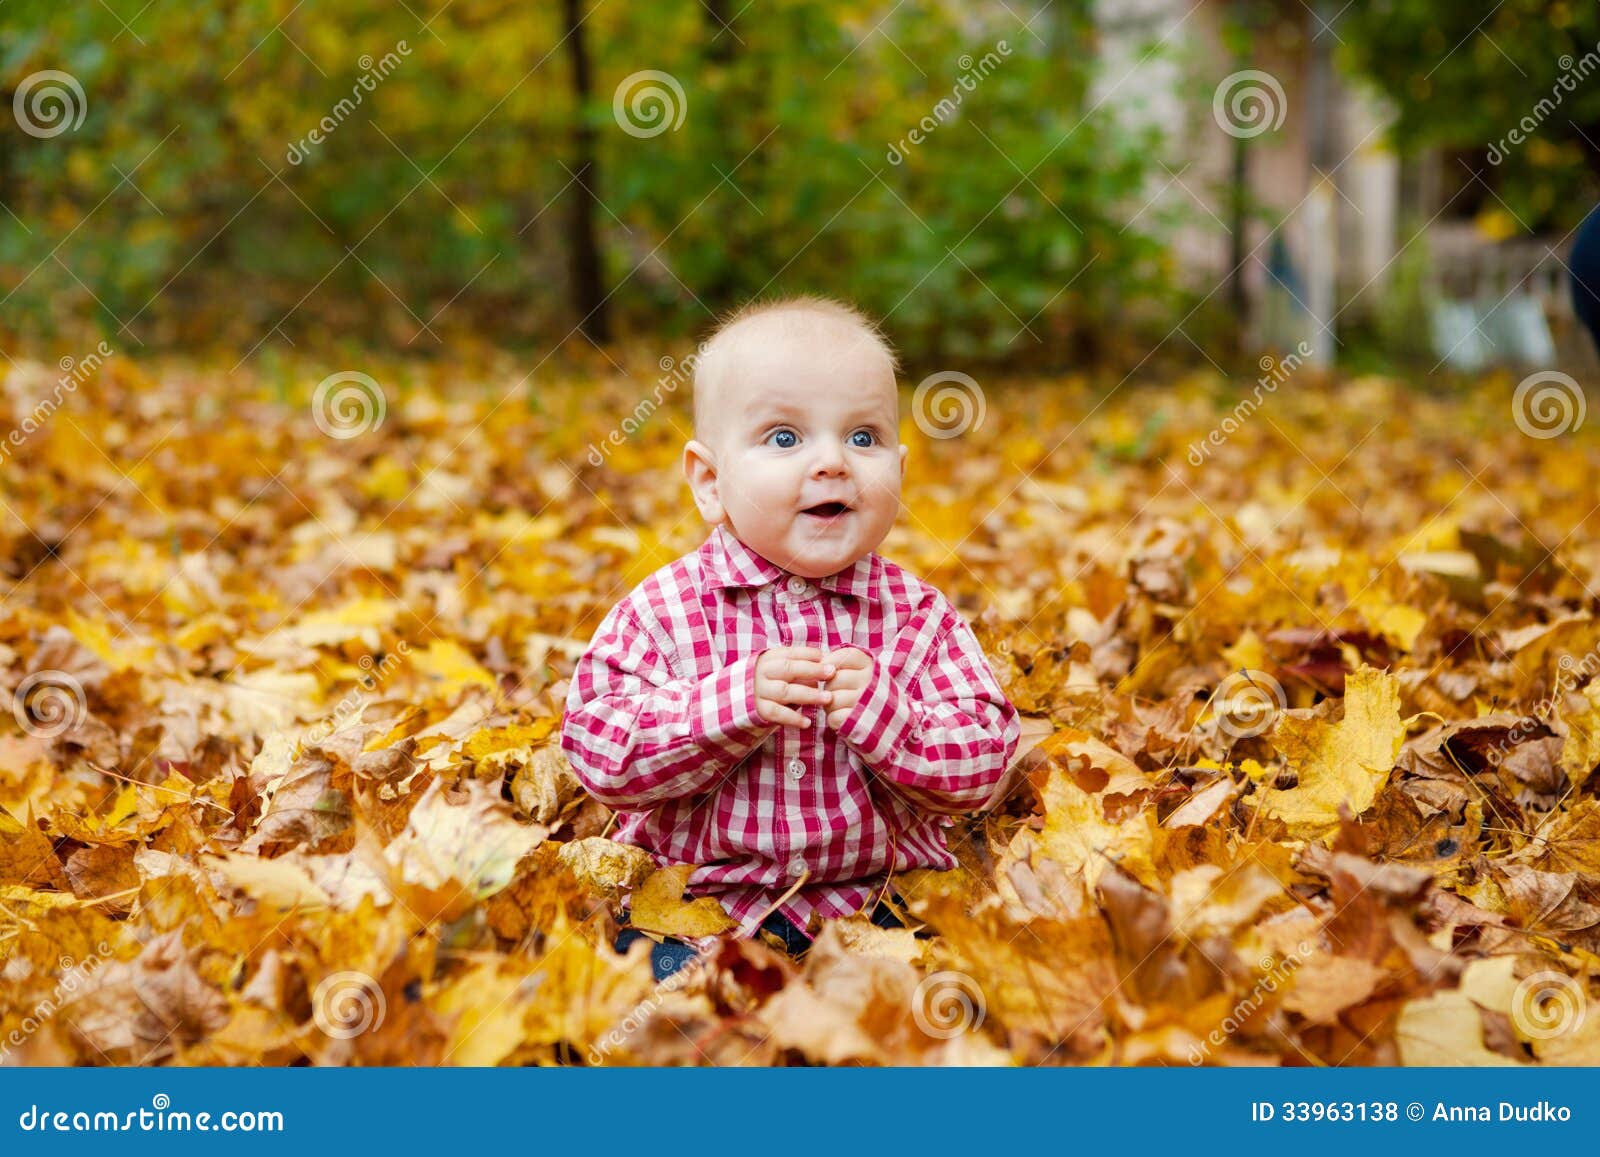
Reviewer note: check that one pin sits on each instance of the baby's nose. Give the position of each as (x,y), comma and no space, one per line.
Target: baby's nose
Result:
(830,459)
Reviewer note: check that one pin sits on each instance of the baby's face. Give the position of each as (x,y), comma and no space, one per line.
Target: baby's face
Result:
(803,458)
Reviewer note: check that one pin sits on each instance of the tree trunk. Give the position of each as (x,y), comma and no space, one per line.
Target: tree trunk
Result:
(720,47)
(588,294)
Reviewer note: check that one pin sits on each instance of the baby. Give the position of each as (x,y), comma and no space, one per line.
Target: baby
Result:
(789,711)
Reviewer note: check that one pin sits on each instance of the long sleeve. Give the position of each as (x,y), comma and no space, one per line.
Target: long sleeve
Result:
(637,736)
(944,741)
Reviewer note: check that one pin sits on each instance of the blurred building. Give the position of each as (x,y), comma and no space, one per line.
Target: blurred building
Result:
(1304,223)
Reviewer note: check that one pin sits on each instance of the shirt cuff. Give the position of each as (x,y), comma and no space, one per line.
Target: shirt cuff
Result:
(729,715)
(882,721)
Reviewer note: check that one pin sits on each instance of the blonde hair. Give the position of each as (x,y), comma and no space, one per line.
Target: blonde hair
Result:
(800,307)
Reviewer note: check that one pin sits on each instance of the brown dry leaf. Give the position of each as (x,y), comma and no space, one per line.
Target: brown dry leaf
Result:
(26,856)
(606,866)
(1326,985)
(1203,804)
(544,786)
(304,806)
(854,1008)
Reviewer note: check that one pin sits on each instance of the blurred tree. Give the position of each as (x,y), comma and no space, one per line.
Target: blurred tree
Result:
(267,171)
(1517,87)
(589,296)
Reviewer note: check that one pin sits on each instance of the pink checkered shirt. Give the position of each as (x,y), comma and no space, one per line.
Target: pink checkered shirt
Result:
(661,724)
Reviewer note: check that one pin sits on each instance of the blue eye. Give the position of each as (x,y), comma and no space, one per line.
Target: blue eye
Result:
(780,435)
(871,439)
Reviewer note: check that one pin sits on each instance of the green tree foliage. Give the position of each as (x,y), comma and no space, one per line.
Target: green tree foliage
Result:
(263,171)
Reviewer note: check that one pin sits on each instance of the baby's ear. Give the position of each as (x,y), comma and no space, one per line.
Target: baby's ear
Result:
(700,468)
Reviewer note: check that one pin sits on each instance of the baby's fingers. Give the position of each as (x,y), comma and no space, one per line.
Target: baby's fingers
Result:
(850,679)
(805,693)
(786,716)
(803,671)
(848,659)
(778,691)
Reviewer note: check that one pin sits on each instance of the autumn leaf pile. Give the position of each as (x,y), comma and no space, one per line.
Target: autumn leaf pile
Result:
(1311,728)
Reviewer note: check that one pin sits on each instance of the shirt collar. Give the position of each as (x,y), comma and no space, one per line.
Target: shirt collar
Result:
(730,563)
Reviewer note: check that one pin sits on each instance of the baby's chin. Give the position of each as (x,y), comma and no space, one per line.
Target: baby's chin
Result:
(817,559)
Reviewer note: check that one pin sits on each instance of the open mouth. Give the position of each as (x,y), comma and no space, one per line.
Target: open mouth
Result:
(827,510)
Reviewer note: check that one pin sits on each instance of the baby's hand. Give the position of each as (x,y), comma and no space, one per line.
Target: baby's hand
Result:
(789,675)
(854,670)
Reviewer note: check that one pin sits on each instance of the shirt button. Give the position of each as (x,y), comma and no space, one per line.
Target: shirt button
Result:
(797,867)
(798,585)
(796,769)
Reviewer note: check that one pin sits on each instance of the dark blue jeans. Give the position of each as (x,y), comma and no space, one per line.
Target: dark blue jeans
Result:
(672,953)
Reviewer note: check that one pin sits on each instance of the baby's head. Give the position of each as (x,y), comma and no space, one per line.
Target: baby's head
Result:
(796,422)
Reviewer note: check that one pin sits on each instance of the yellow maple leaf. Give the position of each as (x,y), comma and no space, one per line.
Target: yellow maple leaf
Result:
(658,906)
(1078,836)
(1346,762)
